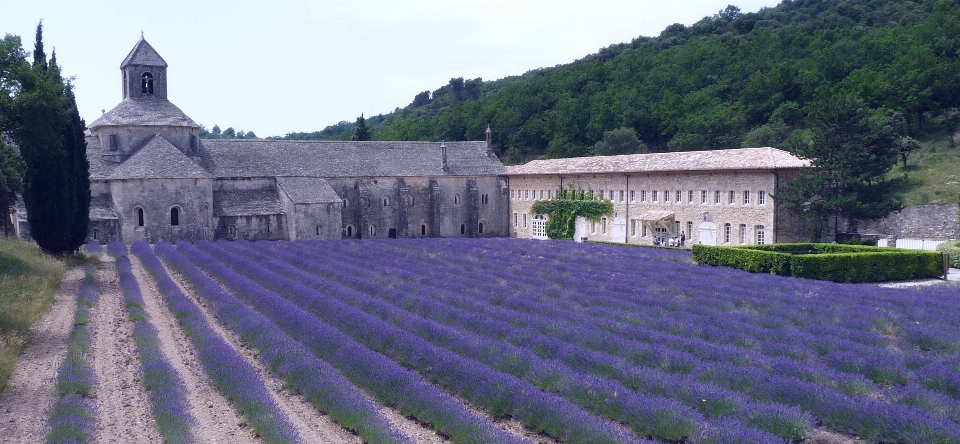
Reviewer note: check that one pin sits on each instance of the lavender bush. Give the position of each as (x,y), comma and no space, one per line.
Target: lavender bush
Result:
(621,334)
(164,385)
(319,382)
(229,372)
(73,417)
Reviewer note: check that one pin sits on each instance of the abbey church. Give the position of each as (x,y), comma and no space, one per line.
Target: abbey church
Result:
(152,178)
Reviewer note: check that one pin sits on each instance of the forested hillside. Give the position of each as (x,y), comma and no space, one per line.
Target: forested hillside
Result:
(729,80)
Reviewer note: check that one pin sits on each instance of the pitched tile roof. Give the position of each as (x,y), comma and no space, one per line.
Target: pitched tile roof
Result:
(330,159)
(101,208)
(733,159)
(307,190)
(152,112)
(99,169)
(245,203)
(158,159)
(143,54)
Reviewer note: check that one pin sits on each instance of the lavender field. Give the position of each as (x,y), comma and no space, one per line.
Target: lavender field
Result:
(584,342)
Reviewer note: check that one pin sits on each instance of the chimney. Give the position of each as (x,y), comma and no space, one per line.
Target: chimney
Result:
(489,139)
(443,155)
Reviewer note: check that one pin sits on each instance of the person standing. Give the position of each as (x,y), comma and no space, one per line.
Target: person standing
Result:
(683,238)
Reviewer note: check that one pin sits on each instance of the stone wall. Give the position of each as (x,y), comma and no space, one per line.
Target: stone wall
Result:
(633,203)
(935,222)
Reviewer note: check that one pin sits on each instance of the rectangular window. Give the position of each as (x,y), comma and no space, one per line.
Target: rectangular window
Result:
(761,235)
(746,197)
(633,227)
(550,194)
(716,197)
(538,228)
(633,195)
(743,233)
(679,196)
(601,194)
(526,194)
(676,228)
(666,196)
(621,195)
(690,196)
(114,142)
(643,195)
(513,194)
(516,220)
(726,233)
(644,230)
(655,195)
(541,194)
(603,225)
(733,197)
(593,226)
(524,220)
(690,231)
(761,198)
(703,196)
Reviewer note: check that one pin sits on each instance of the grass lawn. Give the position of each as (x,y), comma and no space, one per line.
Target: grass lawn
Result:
(28,281)
(933,172)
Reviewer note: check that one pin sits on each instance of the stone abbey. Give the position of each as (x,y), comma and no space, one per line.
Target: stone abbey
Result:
(152,178)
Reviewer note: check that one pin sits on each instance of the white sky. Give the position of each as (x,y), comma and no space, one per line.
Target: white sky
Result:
(278,66)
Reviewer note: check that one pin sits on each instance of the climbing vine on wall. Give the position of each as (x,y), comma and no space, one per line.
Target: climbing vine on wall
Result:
(564,210)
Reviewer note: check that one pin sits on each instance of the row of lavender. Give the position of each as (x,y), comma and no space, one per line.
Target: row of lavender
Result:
(657,325)
(73,416)
(164,385)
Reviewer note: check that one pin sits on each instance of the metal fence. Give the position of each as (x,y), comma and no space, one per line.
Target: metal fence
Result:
(913,244)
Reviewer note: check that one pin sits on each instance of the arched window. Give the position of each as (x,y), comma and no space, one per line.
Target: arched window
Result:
(386,201)
(423,229)
(232,231)
(456,199)
(349,230)
(146,83)
(96,234)
(346,203)
(480,228)
(175,216)
(463,228)
(411,201)
(139,214)
(373,230)
(318,230)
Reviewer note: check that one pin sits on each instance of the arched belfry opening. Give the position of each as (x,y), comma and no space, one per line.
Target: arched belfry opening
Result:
(146,84)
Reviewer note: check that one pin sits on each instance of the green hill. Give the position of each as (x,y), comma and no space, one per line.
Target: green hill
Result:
(729,80)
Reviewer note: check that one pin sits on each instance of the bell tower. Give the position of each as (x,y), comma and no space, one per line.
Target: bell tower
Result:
(144,73)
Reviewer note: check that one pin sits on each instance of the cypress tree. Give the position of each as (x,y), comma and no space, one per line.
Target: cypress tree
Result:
(363,133)
(49,132)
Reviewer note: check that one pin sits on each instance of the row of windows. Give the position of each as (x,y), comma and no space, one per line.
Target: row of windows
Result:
(745,197)
(412,201)
(139,215)
(372,229)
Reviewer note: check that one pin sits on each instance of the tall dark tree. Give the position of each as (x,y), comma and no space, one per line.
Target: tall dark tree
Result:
(362,133)
(851,150)
(49,132)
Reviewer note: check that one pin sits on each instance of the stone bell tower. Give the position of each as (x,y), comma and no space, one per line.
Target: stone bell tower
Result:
(144,73)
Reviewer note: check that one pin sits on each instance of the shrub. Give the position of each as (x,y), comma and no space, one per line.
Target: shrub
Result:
(952,248)
(830,262)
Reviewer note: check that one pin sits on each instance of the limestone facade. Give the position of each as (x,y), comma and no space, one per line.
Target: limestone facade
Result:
(727,205)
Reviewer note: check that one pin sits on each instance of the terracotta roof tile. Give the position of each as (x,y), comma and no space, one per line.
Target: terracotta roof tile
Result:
(733,159)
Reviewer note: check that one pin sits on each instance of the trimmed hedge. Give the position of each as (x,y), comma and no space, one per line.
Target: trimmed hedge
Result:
(829,262)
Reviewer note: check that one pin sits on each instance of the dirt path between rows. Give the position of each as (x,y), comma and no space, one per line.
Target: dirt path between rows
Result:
(217,420)
(30,391)
(311,425)
(123,407)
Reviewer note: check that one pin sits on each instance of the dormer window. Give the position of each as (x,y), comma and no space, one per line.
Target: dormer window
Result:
(114,142)
(146,83)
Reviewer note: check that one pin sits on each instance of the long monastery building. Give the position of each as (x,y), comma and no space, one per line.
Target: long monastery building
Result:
(721,197)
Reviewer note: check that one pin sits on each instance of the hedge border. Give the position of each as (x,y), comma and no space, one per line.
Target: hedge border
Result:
(828,262)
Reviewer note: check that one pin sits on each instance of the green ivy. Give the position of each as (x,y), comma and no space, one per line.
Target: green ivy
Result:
(563,212)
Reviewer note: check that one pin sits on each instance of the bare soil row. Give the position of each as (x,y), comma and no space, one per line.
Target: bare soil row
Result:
(123,410)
